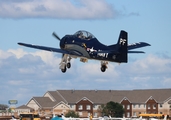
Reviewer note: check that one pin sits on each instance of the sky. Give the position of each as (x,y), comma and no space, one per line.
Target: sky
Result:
(26,72)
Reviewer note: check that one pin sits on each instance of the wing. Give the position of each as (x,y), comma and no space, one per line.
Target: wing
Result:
(137,45)
(70,52)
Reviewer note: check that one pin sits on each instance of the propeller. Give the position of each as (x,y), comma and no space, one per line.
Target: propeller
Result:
(56,36)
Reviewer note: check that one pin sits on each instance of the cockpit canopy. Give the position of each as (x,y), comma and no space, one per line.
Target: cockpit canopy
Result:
(84,35)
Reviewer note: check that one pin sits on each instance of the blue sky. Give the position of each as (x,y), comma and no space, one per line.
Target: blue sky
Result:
(27,72)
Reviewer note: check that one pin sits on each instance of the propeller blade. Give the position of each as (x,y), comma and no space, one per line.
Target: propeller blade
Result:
(56,36)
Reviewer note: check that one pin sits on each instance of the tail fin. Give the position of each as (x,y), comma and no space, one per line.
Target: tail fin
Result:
(122,46)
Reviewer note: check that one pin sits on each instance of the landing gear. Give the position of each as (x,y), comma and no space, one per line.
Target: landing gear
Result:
(65,63)
(68,65)
(103,66)
(64,69)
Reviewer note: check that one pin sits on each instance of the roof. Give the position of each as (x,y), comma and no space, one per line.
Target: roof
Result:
(96,96)
(169,102)
(24,107)
(141,96)
(55,95)
(44,102)
(103,96)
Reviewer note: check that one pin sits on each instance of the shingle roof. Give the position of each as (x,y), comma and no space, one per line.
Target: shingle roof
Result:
(57,96)
(24,107)
(103,96)
(96,96)
(169,102)
(141,96)
(44,102)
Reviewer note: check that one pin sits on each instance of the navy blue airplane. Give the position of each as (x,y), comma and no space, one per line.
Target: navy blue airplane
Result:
(85,45)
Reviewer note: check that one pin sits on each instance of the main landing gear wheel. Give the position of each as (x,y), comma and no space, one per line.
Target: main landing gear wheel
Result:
(103,68)
(64,69)
(68,65)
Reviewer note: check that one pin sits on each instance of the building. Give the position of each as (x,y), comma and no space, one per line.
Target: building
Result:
(24,109)
(86,102)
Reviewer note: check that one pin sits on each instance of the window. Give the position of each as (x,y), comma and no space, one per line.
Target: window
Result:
(139,105)
(84,99)
(80,113)
(88,107)
(71,106)
(161,105)
(154,106)
(148,106)
(128,107)
(134,105)
(123,106)
(128,114)
(95,114)
(84,35)
(80,107)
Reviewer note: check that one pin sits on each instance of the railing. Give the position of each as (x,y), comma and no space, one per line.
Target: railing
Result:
(6,114)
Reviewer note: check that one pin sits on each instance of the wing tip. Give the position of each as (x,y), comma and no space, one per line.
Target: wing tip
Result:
(146,44)
(136,52)
(20,43)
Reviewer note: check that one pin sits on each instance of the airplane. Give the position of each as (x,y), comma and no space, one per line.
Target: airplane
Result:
(85,46)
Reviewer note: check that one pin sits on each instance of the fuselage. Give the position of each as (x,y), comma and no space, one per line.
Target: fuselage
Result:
(89,48)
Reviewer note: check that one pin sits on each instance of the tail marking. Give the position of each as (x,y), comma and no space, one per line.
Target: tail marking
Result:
(122,41)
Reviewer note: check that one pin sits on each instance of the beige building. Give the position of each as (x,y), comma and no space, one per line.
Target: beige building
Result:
(87,102)
(24,109)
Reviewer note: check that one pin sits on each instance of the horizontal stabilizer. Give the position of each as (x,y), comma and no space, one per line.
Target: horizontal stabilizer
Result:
(136,52)
(137,45)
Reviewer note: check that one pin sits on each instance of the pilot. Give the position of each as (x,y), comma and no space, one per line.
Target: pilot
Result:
(80,35)
(89,37)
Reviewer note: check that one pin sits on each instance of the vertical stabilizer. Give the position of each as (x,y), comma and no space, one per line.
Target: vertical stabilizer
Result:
(122,46)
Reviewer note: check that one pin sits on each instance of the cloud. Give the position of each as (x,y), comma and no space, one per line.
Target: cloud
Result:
(58,9)
(27,74)
(152,63)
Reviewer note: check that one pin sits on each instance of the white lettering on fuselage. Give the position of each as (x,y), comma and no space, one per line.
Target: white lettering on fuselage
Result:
(105,55)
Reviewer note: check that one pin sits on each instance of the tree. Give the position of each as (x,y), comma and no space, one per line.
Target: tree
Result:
(113,109)
(3,107)
(72,113)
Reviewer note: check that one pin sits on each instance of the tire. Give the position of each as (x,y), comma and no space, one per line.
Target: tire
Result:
(64,70)
(103,68)
(68,65)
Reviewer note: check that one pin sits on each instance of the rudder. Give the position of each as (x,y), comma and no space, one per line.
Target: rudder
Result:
(122,46)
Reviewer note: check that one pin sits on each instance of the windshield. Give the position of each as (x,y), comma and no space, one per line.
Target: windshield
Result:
(84,35)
